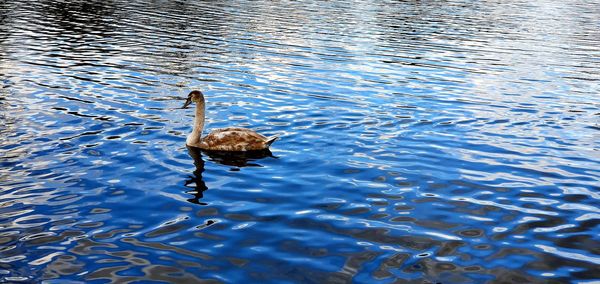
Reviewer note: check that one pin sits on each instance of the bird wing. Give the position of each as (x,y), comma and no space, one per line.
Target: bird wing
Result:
(233,139)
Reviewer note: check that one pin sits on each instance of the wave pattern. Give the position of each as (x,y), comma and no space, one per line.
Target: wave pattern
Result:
(442,141)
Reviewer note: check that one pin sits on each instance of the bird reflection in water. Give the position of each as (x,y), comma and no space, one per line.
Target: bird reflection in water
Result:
(235,160)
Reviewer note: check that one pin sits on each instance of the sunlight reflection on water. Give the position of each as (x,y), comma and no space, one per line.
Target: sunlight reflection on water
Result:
(451,142)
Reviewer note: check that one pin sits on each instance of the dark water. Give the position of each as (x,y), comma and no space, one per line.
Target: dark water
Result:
(425,141)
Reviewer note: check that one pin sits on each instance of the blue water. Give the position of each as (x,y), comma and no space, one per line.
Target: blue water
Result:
(420,141)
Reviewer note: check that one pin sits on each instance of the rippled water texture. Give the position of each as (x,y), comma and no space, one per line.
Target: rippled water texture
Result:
(437,141)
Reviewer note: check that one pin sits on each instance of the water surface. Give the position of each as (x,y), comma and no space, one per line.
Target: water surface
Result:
(437,141)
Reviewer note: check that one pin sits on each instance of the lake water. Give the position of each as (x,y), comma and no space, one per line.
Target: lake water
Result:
(420,141)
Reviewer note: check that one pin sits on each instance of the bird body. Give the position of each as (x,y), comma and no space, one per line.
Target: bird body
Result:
(234,139)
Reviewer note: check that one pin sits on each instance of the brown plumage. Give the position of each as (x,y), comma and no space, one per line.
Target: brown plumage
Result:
(223,139)
(234,139)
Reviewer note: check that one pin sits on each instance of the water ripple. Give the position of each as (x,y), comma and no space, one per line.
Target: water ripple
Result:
(445,142)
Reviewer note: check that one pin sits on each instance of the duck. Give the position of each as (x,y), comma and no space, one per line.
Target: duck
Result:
(230,139)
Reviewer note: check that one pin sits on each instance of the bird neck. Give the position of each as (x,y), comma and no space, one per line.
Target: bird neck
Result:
(198,124)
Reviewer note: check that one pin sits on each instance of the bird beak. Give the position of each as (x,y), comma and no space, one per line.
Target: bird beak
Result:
(187,102)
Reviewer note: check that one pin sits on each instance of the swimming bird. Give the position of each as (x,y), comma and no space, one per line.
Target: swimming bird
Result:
(233,139)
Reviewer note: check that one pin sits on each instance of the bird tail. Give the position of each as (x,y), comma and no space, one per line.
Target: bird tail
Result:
(271,139)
